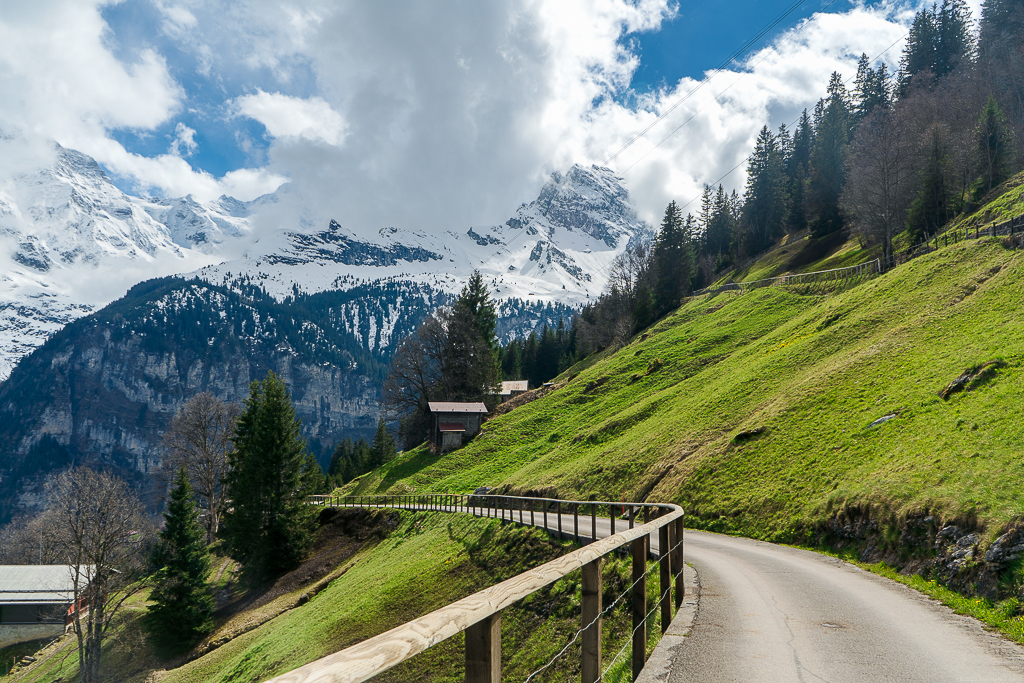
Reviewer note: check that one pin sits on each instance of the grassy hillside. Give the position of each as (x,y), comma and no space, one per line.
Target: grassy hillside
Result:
(802,372)
(424,561)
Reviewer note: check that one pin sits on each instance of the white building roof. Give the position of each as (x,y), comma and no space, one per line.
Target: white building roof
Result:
(446,407)
(37,583)
(514,385)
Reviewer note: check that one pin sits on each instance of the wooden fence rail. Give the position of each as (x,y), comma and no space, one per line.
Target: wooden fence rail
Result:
(479,615)
(1013,228)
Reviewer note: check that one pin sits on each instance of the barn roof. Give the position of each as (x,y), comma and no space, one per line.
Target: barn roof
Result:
(514,385)
(446,407)
(37,584)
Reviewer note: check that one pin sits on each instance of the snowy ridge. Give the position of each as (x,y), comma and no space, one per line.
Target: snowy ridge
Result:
(72,242)
(556,249)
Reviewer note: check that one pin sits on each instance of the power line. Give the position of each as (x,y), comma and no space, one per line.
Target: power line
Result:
(746,46)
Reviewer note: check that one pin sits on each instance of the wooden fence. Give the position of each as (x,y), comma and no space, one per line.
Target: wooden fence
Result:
(1013,228)
(479,615)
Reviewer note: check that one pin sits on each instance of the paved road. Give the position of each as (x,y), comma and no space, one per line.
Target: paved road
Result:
(769,613)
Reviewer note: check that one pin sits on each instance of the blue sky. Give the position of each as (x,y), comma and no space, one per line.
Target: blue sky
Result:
(424,114)
(702,36)
(699,38)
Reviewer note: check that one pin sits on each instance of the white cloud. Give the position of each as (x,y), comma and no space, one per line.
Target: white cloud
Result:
(426,115)
(292,117)
(184,143)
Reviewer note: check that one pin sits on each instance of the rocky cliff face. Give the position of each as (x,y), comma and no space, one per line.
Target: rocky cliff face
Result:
(104,389)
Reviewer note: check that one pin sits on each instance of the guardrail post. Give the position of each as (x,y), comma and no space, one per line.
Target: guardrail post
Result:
(611,516)
(591,654)
(546,530)
(639,594)
(576,523)
(665,577)
(677,562)
(593,522)
(483,651)
(647,538)
(558,511)
(532,505)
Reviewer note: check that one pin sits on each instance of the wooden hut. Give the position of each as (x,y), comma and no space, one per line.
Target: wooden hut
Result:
(453,421)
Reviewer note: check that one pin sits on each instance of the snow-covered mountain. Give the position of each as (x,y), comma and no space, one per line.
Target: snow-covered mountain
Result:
(72,242)
(555,252)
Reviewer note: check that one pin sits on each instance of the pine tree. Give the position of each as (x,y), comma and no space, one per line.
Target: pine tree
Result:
(796,171)
(383,445)
(765,200)
(268,526)
(182,609)
(994,147)
(673,262)
(828,158)
(476,300)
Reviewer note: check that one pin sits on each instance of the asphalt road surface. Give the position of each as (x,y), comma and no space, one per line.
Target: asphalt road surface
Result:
(769,613)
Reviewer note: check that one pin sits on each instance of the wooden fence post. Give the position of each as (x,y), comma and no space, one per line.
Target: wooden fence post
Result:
(647,538)
(576,523)
(591,650)
(483,651)
(639,594)
(665,577)
(677,561)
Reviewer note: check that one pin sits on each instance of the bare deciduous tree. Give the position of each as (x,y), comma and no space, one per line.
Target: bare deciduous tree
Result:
(882,176)
(199,440)
(100,530)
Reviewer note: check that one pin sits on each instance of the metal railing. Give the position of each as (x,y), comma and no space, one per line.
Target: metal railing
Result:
(479,615)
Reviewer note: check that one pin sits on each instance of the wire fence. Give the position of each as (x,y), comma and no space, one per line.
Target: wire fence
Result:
(479,615)
(1012,228)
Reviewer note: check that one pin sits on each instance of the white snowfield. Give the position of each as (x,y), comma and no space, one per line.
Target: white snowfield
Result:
(72,242)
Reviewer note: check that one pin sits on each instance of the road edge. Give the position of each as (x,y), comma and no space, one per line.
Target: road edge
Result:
(659,664)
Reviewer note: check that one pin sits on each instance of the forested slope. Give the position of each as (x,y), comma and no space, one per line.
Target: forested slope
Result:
(758,412)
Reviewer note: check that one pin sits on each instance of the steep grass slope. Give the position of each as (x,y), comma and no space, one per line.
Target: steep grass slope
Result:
(423,562)
(753,410)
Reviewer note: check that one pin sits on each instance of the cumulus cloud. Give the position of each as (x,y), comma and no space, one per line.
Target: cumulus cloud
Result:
(420,114)
(64,83)
(292,117)
(184,142)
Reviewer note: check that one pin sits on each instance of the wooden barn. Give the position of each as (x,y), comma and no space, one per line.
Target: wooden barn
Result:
(452,422)
(36,601)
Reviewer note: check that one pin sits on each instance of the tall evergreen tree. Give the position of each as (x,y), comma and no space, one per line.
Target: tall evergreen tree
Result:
(182,609)
(796,171)
(828,158)
(476,300)
(939,41)
(765,200)
(871,90)
(673,261)
(994,147)
(383,445)
(268,526)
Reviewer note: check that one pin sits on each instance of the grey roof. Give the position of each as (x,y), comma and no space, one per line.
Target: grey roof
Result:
(445,407)
(514,385)
(37,583)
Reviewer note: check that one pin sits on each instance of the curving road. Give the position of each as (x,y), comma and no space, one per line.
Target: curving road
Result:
(772,613)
